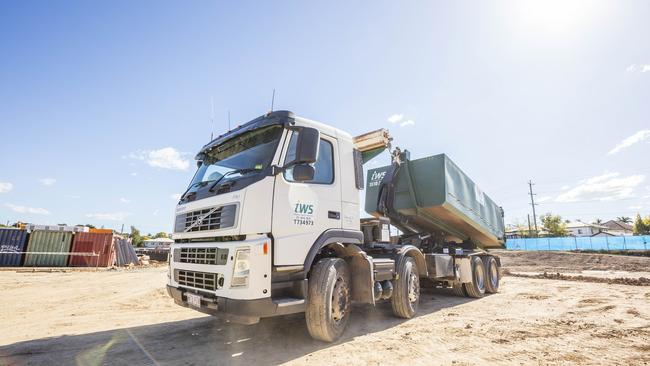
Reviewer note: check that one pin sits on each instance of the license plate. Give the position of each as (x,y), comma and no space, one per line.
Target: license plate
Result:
(193,300)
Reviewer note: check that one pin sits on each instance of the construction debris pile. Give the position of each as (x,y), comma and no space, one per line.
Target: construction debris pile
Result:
(64,246)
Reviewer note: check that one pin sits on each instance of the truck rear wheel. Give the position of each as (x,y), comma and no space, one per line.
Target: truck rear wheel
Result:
(406,295)
(328,305)
(492,274)
(476,288)
(459,290)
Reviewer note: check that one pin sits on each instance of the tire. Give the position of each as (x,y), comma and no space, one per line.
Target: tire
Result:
(476,288)
(492,275)
(459,290)
(406,294)
(328,304)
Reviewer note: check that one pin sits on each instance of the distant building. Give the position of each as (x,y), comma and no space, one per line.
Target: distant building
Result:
(579,228)
(160,243)
(618,228)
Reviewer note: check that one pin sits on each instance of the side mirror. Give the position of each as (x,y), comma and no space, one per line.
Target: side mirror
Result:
(303,172)
(307,146)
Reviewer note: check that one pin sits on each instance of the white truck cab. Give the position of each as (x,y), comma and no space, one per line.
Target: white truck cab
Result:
(269,225)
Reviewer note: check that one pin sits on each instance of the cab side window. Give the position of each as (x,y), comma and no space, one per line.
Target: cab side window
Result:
(323,167)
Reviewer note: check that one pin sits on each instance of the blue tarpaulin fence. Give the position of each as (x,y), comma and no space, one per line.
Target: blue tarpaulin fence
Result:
(581,243)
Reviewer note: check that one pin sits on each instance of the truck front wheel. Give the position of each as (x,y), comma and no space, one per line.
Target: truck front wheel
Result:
(328,305)
(406,295)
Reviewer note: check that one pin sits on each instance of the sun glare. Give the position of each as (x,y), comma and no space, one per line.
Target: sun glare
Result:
(554,16)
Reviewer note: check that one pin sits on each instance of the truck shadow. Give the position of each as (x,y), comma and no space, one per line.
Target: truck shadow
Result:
(208,341)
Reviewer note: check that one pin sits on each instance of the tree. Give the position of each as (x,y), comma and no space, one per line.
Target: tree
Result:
(641,226)
(161,234)
(597,222)
(624,219)
(554,225)
(136,238)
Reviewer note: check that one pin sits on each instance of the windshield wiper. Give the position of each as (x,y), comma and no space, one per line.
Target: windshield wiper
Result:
(240,171)
(192,186)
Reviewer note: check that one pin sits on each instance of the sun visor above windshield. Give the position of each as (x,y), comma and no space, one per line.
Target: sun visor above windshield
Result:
(272,118)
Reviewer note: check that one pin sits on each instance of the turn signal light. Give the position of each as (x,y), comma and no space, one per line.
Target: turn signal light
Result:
(266,248)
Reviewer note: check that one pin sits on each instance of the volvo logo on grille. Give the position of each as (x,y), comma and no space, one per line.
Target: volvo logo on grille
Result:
(200,219)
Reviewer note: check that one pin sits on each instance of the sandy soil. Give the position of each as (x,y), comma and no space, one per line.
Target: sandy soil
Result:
(125,318)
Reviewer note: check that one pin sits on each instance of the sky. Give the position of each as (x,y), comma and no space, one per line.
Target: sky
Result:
(104,105)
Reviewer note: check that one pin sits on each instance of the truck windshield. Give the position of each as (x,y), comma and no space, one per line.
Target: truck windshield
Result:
(246,153)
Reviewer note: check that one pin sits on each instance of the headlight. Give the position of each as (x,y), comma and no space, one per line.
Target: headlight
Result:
(241,268)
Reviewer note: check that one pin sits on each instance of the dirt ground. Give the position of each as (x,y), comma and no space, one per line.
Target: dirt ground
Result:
(125,318)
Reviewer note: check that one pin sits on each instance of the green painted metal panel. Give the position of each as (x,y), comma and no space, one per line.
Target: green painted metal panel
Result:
(48,242)
(436,194)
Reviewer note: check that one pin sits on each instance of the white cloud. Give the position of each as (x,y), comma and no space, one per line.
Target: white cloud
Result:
(27,210)
(112,216)
(47,181)
(640,68)
(166,158)
(544,199)
(155,213)
(409,122)
(606,187)
(133,174)
(6,187)
(125,200)
(395,118)
(635,207)
(565,187)
(637,137)
(176,196)
(74,196)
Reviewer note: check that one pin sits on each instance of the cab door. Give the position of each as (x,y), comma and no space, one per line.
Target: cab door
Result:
(304,210)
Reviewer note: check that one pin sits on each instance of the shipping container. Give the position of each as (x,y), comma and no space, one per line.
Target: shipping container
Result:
(75,229)
(54,244)
(95,250)
(12,243)
(433,193)
(102,231)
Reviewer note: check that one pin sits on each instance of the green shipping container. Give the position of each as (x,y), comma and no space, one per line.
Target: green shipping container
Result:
(51,242)
(439,196)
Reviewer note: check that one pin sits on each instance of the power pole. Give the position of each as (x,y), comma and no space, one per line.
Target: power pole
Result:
(530,229)
(532,203)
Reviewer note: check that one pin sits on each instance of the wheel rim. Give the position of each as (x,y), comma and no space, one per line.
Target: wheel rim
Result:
(479,277)
(340,300)
(414,289)
(494,274)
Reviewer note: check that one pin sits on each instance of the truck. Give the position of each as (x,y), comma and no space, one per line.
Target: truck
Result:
(271,225)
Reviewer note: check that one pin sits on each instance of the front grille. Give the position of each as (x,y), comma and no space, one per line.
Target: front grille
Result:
(212,218)
(200,280)
(201,255)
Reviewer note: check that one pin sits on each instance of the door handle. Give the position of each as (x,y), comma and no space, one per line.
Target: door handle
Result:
(334,215)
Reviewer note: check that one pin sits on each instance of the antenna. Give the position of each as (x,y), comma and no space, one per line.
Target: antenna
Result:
(272,100)
(212,118)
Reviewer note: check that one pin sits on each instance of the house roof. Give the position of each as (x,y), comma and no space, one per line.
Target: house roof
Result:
(577,224)
(617,225)
(605,233)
